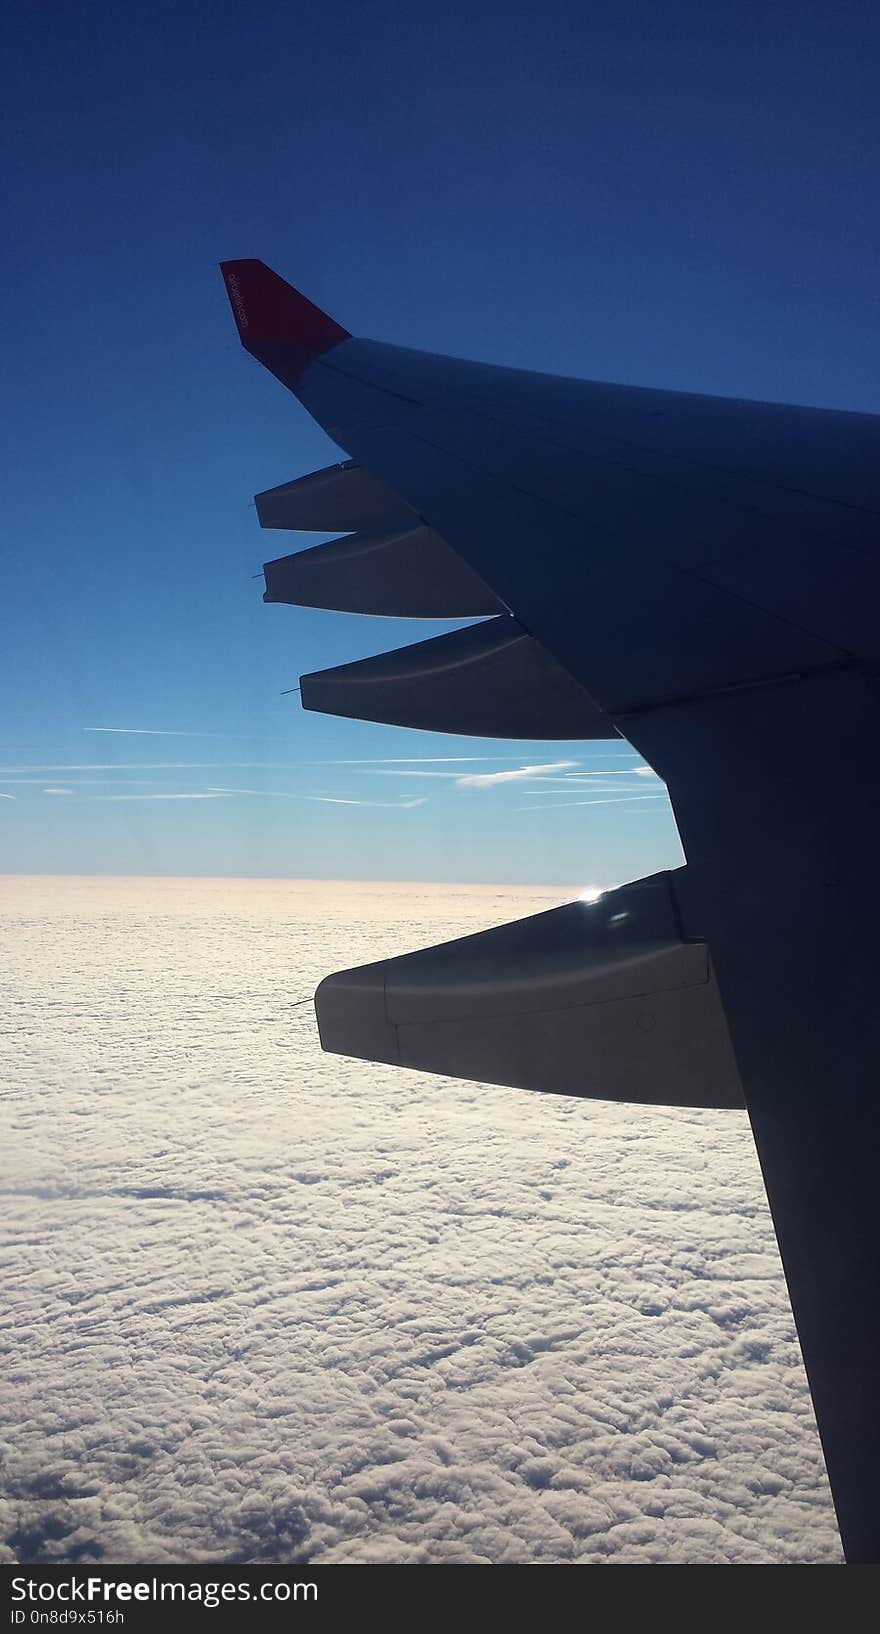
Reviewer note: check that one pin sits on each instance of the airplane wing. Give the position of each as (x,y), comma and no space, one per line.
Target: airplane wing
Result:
(700,576)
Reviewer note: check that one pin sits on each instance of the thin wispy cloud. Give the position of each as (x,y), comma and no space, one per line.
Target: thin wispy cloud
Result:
(79,782)
(488,780)
(615,800)
(327,799)
(237,766)
(58,791)
(413,760)
(383,771)
(164,732)
(576,782)
(268,794)
(7,796)
(152,766)
(624,771)
(385,805)
(550,788)
(209,794)
(474,780)
(255,737)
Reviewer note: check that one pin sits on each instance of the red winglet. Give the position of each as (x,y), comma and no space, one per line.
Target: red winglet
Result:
(276,324)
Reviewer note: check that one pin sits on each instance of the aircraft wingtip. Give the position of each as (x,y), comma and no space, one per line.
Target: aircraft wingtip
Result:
(269,312)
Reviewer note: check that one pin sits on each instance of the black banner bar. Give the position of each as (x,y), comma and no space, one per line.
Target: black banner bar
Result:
(134,1598)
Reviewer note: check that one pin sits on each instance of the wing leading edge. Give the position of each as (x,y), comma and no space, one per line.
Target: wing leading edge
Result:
(704,573)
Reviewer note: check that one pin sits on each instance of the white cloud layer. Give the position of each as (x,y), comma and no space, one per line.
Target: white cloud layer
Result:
(272,1305)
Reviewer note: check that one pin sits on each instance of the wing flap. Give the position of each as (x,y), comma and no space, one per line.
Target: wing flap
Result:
(340,499)
(599,1000)
(489,680)
(404,573)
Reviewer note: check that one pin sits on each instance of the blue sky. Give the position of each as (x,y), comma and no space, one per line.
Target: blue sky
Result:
(680,196)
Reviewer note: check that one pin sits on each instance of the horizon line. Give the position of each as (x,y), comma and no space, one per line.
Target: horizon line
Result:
(319,879)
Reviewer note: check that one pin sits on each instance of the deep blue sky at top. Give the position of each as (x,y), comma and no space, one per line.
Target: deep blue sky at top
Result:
(680,195)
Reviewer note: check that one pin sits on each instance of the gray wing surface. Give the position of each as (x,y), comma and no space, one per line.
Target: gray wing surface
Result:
(704,575)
